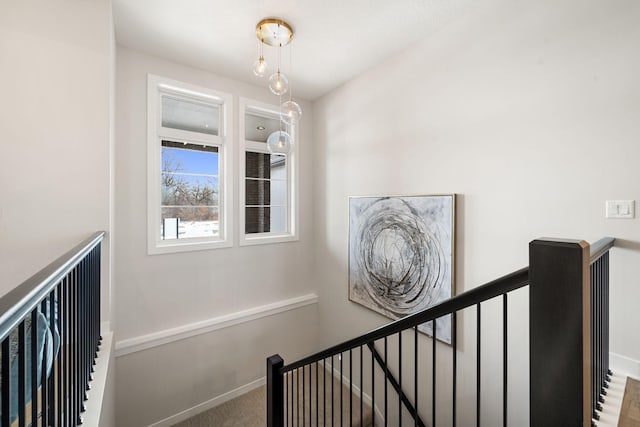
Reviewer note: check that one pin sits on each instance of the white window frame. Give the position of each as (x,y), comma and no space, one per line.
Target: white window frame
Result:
(156,87)
(249,105)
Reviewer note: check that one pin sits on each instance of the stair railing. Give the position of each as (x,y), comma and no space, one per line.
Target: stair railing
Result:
(565,280)
(599,275)
(50,336)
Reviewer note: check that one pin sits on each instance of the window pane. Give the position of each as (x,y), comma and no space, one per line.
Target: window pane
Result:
(257,192)
(183,157)
(257,165)
(185,114)
(190,190)
(278,219)
(266,193)
(265,219)
(279,166)
(258,128)
(257,220)
(278,193)
(189,221)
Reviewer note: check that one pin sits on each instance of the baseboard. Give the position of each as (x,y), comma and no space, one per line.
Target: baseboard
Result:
(624,365)
(212,403)
(96,395)
(144,342)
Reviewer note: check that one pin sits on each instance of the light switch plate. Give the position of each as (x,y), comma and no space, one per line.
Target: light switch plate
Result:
(620,209)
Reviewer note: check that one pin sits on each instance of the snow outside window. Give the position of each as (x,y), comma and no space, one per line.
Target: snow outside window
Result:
(189,192)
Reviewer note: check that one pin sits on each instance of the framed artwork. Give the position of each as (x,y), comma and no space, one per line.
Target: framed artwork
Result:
(401,255)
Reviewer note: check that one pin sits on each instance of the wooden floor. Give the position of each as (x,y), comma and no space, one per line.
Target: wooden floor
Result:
(613,402)
(630,410)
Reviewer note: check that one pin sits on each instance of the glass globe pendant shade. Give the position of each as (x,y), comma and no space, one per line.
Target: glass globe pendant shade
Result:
(260,67)
(279,142)
(278,83)
(291,112)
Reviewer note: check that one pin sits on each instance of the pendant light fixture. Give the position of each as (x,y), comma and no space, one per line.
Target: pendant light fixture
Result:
(277,33)
(290,111)
(260,66)
(280,142)
(278,83)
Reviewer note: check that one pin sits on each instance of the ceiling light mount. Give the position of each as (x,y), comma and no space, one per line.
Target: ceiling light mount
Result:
(274,32)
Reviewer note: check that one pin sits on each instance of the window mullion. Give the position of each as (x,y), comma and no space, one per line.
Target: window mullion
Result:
(189,136)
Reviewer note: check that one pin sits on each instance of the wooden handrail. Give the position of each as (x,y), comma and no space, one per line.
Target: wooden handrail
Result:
(600,247)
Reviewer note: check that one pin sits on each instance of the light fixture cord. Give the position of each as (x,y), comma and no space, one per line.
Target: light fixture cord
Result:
(279,52)
(280,121)
(279,96)
(290,70)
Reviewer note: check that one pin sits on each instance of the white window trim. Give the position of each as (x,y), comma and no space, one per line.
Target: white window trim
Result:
(156,86)
(292,179)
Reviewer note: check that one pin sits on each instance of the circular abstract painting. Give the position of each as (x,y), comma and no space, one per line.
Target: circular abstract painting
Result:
(400,254)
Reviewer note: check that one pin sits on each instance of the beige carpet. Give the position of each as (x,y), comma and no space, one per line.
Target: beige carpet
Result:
(325,403)
(249,410)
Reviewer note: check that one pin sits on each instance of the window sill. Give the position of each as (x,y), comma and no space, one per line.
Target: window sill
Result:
(267,238)
(169,248)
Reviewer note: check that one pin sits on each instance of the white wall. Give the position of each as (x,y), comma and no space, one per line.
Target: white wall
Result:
(56,126)
(55,123)
(159,292)
(529,111)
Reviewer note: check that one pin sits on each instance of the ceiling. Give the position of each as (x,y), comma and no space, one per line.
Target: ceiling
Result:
(334,40)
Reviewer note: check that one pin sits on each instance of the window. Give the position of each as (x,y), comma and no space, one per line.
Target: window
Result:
(268,202)
(189,152)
